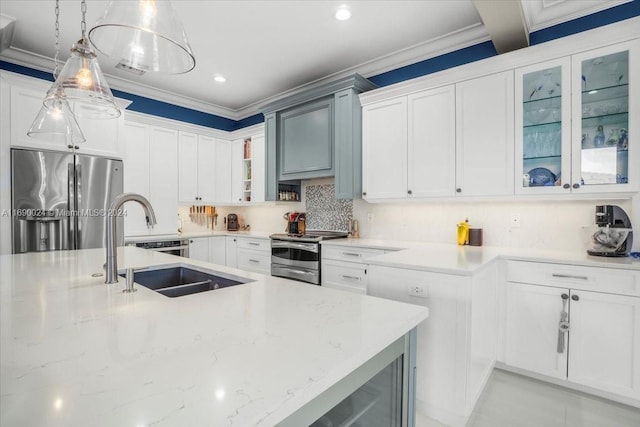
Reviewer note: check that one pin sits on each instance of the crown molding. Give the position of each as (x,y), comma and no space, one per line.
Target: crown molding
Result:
(547,13)
(464,38)
(448,43)
(46,64)
(618,32)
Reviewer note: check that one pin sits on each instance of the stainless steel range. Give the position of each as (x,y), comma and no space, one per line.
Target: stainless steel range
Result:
(297,256)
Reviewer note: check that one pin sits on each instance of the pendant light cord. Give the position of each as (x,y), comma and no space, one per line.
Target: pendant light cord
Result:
(83,23)
(56,69)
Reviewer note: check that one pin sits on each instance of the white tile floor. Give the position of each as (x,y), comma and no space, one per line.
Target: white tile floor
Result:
(512,400)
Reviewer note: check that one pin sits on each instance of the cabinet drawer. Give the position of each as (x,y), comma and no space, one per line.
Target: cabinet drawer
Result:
(349,253)
(349,276)
(607,280)
(254,261)
(263,245)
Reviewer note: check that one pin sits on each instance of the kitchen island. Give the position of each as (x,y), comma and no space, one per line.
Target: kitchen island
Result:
(75,351)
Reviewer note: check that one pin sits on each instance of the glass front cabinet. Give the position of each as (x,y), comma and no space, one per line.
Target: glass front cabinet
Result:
(576,118)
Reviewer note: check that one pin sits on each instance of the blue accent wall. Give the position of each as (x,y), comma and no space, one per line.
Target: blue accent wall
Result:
(422,68)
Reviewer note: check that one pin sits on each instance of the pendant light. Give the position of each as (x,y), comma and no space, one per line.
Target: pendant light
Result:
(56,122)
(82,81)
(143,35)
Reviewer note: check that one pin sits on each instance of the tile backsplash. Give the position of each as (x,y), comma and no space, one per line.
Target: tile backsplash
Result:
(324,211)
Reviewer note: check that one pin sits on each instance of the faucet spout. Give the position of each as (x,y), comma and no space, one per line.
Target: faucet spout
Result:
(111,265)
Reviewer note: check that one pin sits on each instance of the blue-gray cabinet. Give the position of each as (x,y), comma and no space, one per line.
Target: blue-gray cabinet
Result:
(306,140)
(315,134)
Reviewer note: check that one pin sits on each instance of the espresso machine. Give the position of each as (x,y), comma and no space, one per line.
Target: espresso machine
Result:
(612,235)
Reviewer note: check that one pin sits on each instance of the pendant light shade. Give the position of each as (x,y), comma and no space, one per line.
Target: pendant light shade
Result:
(143,35)
(56,122)
(83,85)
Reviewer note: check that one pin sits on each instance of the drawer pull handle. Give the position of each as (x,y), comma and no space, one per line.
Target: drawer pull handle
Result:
(254,260)
(351,254)
(351,277)
(254,244)
(569,276)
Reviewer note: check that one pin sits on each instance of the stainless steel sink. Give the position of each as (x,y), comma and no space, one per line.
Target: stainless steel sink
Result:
(177,281)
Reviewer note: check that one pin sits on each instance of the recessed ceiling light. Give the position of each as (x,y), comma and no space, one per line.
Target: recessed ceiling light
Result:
(219,78)
(343,13)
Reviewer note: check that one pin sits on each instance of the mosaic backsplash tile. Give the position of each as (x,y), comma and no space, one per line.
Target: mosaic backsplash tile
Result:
(324,211)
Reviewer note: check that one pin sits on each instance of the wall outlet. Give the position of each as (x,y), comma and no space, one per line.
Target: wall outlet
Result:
(417,291)
(515,221)
(370,218)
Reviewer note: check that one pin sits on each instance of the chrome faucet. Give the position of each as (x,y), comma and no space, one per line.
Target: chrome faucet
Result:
(111,265)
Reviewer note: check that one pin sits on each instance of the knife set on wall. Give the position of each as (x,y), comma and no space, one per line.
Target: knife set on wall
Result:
(204,215)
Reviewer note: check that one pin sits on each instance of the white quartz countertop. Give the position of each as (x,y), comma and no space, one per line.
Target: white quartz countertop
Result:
(196,234)
(77,352)
(465,260)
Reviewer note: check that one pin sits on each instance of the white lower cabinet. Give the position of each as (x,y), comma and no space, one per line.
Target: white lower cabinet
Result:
(210,249)
(254,254)
(199,249)
(218,250)
(345,267)
(456,345)
(602,345)
(231,251)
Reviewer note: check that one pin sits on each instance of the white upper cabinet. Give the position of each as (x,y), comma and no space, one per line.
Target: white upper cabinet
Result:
(222,171)
(238,174)
(431,143)
(573,118)
(102,136)
(543,128)
(606,105)
(196,166)
(384,150)
(421,145)
(150,169)
(484,135)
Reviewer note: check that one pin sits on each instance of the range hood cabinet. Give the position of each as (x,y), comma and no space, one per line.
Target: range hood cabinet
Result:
(315,134)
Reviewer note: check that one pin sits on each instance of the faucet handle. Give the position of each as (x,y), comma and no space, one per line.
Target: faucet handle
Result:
(128,288)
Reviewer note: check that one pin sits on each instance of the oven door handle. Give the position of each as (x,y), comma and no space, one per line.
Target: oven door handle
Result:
(302,271)
(311,247)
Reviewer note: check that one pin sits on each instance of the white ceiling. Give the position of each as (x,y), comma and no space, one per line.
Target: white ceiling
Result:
(267,48)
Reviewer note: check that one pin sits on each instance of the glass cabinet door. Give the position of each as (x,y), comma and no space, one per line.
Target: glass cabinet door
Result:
(604,158)
(543,146)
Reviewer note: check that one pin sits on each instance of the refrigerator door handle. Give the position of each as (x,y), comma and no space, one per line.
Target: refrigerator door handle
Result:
(71,204)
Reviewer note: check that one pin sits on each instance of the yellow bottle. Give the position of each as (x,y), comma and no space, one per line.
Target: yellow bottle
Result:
(463,232)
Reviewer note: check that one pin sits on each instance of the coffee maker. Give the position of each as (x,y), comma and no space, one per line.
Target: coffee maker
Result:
(232,222)
(613,235)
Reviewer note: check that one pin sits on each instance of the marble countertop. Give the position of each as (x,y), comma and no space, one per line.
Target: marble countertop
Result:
(77,352)
(466,260)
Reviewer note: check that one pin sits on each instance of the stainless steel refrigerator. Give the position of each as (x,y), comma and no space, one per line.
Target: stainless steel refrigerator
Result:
(59,200)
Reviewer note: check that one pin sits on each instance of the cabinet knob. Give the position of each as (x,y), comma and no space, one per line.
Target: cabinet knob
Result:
(190,241)
(409,192)
(76,147)
(575,297)
(458,190)
(576,185)
(566,186)
(364,193)
(70,146)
